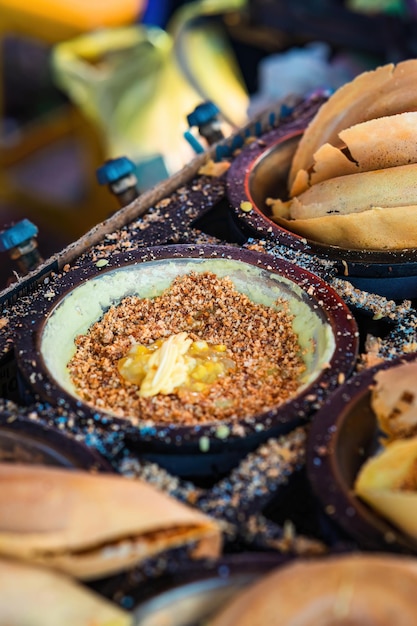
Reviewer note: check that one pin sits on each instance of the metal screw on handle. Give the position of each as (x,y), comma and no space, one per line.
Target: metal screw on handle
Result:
(20,241)
(206,118)
(119,175)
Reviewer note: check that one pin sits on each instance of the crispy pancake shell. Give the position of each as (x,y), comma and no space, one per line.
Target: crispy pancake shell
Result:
(387,90)
(35,596)
(92,525)
(348,590)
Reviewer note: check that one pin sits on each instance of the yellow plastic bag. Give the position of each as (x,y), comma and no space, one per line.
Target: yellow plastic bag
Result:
(129,82)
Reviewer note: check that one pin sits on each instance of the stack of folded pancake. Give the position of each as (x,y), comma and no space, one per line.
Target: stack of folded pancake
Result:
(353,177)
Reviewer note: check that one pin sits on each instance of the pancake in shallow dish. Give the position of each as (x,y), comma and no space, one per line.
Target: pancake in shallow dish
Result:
(388,483)
(94,525)
(354,590)
(353,176)
(394,400)
(36,596)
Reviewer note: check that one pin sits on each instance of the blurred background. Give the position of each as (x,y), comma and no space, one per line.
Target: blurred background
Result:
(84,82)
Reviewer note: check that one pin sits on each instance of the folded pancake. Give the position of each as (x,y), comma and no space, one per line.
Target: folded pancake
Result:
(93,525)
(36,596)
(354,589)
(388,483)
(381,228)
(329,162)
(373,145)
(391,187)
(394,400)
(387,90)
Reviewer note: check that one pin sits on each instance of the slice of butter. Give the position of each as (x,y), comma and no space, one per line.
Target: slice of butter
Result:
(388,483)
(176,362)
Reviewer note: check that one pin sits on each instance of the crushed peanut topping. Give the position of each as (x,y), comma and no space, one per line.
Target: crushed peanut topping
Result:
(261,362)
